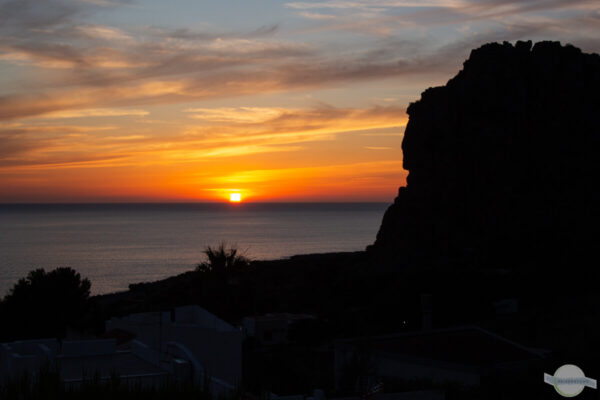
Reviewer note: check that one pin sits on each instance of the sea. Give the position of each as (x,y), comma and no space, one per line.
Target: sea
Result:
(114,245)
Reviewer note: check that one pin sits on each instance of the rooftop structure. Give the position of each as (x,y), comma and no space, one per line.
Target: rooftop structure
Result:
(211,344)
(462,355)
(77,361)
(187,343)
(272,329)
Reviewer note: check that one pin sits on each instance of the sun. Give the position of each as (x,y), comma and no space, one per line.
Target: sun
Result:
(235,197)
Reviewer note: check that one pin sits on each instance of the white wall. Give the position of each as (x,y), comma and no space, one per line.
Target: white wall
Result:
(216,344)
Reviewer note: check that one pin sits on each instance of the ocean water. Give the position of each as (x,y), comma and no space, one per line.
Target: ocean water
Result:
(117,244)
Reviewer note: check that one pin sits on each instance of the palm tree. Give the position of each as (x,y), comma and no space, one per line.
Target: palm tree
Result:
(222,260)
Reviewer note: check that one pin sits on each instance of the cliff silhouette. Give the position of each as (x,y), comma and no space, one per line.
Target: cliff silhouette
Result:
(503,164)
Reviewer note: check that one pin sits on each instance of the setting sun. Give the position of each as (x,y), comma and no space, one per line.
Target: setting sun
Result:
(235,197)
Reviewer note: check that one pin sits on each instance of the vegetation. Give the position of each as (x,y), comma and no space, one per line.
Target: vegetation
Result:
(44,304)
(222,260)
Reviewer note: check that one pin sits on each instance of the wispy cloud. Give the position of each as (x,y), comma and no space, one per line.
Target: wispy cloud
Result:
(98,112)
(248,131)
(390,18)
(81,91)
(372,4)
(78,65)
(87,65)
(451,8)
(236,115)
(186,88)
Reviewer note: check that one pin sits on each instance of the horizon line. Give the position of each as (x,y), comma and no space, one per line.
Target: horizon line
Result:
(190,202)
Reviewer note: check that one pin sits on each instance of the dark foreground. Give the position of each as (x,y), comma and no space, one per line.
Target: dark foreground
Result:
(354,296)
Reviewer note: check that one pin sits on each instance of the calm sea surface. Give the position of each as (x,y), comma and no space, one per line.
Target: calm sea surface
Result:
(117,244)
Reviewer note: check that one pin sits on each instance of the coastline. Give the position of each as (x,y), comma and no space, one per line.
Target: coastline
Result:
(145,295)
(115,245)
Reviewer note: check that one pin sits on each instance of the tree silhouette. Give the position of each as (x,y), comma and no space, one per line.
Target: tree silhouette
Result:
(44,304)
(222,260)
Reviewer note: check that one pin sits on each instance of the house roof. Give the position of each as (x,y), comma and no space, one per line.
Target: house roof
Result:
(120,363)
(466,345)
(282,317)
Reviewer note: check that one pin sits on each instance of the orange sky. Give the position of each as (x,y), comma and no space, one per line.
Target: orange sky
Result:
(281,101)
(267,154)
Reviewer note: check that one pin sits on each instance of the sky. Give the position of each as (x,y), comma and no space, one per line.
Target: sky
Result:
(191,100)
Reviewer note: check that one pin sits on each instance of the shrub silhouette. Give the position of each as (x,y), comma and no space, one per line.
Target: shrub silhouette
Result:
(44,304)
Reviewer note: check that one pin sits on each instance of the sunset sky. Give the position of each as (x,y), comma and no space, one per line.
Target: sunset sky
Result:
(105,100)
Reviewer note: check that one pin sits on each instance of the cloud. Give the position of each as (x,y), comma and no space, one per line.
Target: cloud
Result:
(453,7)
(348,170)
(245,133)
(388,18)
(103,32)
(99,112)
(190,34)
(228,151)
(16,15)
(78,65)
(372,4)
(317,16)
(173,82)
(50,146)
(283,131)
(81,65)
(235,115)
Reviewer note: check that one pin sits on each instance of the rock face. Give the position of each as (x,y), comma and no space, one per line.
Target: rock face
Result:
(504,164)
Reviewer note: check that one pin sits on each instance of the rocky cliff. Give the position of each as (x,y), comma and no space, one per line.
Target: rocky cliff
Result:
(503,164)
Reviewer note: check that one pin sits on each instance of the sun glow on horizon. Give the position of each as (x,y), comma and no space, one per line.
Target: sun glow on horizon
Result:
(235,197)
